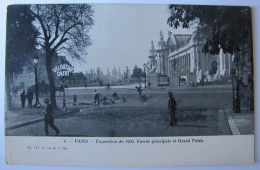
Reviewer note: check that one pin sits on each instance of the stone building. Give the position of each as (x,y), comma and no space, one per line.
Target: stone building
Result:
(180,60)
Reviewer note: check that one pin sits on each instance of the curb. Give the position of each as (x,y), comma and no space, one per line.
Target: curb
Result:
(41,119)
(232,124)
(223,124)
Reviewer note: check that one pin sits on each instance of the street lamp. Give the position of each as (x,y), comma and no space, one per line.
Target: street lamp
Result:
(237,109)
(35,62)
(144,77)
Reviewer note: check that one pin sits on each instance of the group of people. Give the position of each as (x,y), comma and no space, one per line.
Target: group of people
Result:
(104,100)
(49,121)
(48,110)
(28,96)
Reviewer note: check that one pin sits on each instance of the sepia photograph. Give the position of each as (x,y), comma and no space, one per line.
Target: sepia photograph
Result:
(167,84)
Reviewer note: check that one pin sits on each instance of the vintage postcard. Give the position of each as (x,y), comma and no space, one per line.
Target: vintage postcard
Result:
(129,85)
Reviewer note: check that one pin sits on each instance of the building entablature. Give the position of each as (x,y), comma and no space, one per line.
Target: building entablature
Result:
(190,47)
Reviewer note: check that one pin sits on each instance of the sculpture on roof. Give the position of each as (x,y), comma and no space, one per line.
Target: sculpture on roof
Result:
(161,36)
(152,45)
(169,34)
(171,40)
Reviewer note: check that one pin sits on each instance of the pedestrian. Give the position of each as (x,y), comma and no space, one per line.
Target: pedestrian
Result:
(74,100)
(139,90)
(149,85)
(29,96)
(115,96)
(64,104)
(48,118)
(22,96)
(124,99)
(108,86)
(172,109)
(96,97)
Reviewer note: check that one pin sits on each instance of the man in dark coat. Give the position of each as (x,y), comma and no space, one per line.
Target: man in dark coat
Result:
(149,85)
(139,90)
(172,109)
(22,96)
(74,100)
(29,96)
(48,118)
(108,86)
(96,97)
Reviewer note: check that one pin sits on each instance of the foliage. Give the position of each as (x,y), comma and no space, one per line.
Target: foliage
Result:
(20,38)
(64,28)
(42,88)
(91,76)
(76,76)
(224,27)
(137,72)
(20,42)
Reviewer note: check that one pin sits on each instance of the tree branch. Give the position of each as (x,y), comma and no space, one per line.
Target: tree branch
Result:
(49,31)
(69,28)
(57,24)
(41,23)
(63,39)
(41,38)
(57,46)
(41,45)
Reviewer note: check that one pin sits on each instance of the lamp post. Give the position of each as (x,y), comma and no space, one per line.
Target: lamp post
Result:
(237,109)
(144,77)
(35,62)
(233,72)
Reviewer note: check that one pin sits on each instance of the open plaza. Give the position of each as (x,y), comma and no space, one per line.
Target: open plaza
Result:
(201,111)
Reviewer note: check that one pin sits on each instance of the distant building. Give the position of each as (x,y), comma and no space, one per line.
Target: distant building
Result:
(181,60)
(114,73)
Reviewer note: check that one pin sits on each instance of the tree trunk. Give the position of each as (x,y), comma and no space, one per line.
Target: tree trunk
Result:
(8,101)
(249,46)
(51,81)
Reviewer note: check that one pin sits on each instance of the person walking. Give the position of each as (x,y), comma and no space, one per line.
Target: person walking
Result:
(149,85)
(48,118)
(29,96)
(139,90)
(172,109)
(96,97)
(108,86)
(22,96)
(74,100)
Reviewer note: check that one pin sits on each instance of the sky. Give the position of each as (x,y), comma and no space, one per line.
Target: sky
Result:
(122,35)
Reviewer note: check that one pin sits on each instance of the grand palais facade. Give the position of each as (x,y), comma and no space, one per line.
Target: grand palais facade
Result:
(180,60)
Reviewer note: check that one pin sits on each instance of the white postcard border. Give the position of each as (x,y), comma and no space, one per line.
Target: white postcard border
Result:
(127,151)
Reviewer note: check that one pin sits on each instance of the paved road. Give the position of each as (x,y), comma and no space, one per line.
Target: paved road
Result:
(197,113)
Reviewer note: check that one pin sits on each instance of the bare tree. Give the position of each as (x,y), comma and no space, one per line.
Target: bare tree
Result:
(64,29)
